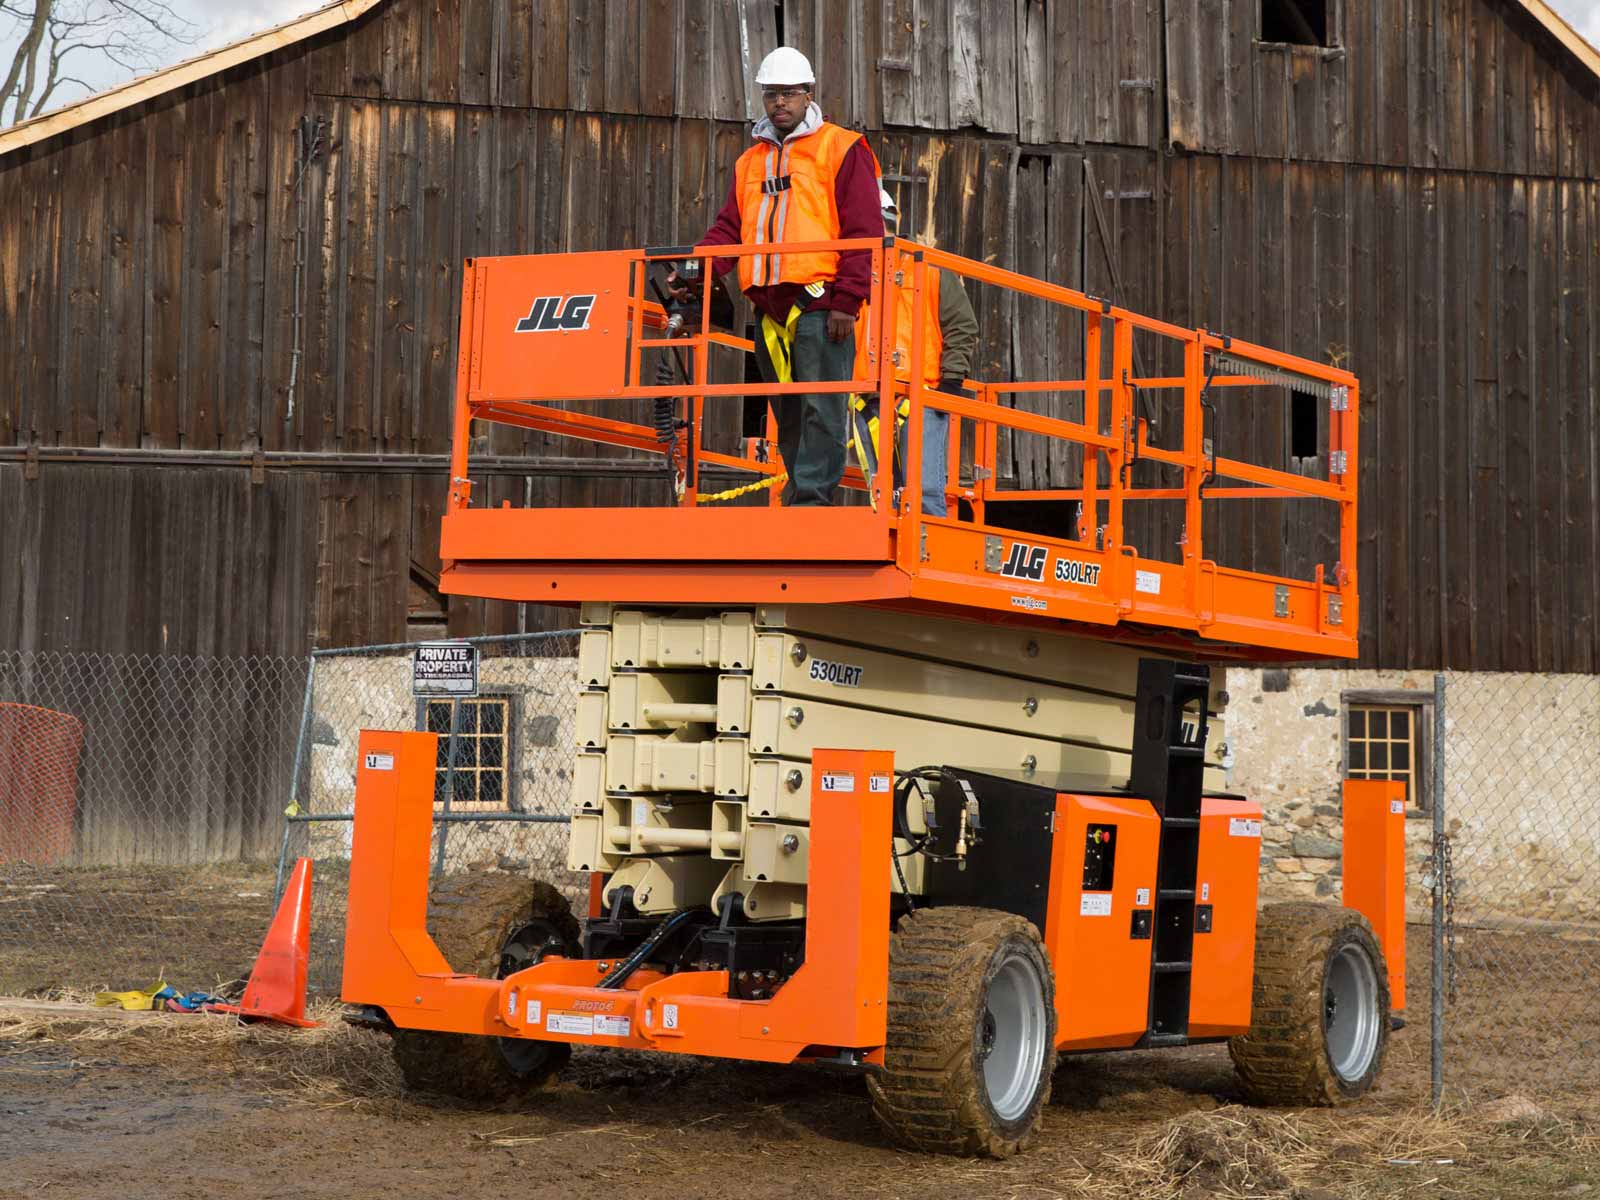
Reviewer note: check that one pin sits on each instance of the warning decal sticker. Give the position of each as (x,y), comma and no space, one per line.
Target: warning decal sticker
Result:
(581,1024)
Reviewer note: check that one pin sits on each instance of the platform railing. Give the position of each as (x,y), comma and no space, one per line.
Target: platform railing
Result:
(1110,436)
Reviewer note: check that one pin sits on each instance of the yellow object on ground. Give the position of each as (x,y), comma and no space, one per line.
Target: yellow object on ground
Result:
(134,1001)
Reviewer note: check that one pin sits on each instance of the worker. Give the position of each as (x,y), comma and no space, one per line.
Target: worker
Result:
(804,179)
(949,337)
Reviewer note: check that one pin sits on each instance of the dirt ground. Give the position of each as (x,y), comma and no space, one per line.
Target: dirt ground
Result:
(186,1112)
(194,1106)
(84,928)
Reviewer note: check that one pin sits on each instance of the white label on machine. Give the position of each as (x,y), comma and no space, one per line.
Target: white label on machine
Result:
(1142,897)
(669,1016)
(1244,827)
(380,762)
(535,1008)
(568,1022)
(612,1026)
(1397,806)
(1095,904)
(877,783)
(1205,891)
(641,812)
(1147,581)
(844,781)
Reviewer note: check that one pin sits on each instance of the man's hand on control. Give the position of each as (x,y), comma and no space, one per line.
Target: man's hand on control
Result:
(681,289)
(840,326)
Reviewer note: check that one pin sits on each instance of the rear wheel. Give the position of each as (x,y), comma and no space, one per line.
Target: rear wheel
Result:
(972,1032)
(1320,1022)
(490,925)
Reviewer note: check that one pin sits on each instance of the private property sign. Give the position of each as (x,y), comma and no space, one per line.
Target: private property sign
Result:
(444,669)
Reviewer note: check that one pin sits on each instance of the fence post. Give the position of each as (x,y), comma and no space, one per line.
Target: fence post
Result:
(1436,1035)
(294,778)
(449,785)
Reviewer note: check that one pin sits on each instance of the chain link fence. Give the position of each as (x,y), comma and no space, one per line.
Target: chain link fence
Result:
(1517,864)
(141,802)
(501,790)
(149,808)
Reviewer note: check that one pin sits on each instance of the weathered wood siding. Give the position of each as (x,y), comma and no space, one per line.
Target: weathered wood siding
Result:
(1419,201)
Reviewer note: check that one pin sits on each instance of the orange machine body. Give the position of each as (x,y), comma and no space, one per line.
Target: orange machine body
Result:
(1098,930)
(1375,869)
(1102,971)
(1226,878)
(836,1000)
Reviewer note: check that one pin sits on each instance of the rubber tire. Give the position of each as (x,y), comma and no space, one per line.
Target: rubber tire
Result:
(472,918)
(1283,1060)
(930,1095)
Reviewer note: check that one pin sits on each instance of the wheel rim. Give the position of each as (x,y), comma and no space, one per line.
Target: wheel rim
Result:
(523,949)
(1350,1013)
(1011,1037)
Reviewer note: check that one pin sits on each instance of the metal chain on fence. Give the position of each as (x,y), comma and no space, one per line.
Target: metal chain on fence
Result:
(1447,881)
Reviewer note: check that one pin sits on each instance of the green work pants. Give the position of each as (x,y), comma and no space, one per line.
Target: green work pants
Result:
(811,427)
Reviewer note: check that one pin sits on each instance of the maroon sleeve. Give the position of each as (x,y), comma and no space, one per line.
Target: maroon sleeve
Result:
(855,193)
(726,229)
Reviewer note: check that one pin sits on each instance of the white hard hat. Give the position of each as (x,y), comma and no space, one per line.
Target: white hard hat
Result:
(886,202)
(785,65)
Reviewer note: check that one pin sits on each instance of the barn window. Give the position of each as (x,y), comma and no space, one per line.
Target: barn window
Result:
(1385,737)
(1296,22)
(482,778)
(1303,412)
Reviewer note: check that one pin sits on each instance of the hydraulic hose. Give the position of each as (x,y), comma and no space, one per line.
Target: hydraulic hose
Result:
(619,973)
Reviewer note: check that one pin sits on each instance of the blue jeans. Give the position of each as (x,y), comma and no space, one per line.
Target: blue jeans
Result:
(935,456)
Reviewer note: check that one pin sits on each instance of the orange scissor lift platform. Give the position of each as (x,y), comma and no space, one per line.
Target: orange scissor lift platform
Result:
(559,344)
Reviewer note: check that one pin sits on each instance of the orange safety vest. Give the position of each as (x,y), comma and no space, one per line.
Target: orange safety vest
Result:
(786,195)
(932,335)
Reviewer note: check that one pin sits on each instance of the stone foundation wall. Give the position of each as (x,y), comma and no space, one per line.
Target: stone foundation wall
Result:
(1522,780)
(374,692)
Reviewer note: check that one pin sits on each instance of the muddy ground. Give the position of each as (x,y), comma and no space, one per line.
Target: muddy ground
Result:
(182,1112)
(200,1106)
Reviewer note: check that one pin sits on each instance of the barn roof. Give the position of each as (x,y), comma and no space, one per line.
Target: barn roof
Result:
(1565,34)
(190,70)
(331,16)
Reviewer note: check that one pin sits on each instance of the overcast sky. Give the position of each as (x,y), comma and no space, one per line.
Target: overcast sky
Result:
(218,22)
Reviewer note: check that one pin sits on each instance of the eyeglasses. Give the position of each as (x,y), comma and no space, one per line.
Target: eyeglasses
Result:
(789,93)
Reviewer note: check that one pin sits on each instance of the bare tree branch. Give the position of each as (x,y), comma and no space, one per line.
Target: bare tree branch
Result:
(135,35)
(27,52)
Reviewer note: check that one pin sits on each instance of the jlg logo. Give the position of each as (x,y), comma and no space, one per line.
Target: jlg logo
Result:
(550,314)
(1025,562)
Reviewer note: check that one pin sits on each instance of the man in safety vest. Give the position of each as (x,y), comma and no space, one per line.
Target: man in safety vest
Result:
(949,337)
(805,179)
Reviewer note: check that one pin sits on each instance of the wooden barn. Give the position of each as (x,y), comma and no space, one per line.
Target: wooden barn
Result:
(228,290)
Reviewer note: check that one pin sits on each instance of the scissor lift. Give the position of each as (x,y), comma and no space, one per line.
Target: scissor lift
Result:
(929,798)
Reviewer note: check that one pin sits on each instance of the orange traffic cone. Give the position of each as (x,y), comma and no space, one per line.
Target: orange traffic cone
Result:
(277,987)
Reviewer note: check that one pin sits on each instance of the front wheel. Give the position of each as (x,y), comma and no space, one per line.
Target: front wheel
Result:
(490,925)
(1320,1020)
(972,1027)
